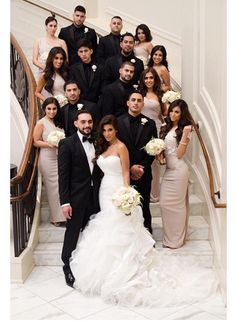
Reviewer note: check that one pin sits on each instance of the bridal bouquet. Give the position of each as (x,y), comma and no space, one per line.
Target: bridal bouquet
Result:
(170,96)
(55,136)
(126,198)
(62,100)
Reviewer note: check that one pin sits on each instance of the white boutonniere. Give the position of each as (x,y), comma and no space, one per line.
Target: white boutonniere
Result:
(94,67)
(86,30)
(135,87)
(133,60)
(143,120)
(79,106)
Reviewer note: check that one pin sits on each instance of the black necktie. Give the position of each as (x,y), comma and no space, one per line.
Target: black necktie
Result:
(89,139)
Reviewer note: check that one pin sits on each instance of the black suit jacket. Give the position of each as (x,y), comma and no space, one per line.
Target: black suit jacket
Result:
(114,98)
(90,90)
(146,132)
(108,46)
(68,35)
(112,66)
(65,120)
(74,174)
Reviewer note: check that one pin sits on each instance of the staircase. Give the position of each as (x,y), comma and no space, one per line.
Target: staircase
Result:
(48,251)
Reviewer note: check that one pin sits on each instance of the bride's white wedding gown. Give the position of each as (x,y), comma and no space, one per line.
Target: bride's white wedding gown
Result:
(115,257)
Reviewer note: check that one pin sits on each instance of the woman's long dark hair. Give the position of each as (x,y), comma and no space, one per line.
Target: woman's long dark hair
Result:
(50,71)
(157,83)
(185,119)
(53,100)
(102,143)
(146,32)
(162,49)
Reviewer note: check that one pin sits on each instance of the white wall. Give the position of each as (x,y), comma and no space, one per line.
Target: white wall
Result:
(204,88)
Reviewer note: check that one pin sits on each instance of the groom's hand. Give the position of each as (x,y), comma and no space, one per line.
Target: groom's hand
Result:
(67,211)
(136,172)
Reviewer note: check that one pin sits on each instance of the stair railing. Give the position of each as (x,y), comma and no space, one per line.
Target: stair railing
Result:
(24,184)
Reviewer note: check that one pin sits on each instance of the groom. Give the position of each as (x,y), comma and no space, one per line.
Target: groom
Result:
(79,182)
(135,130)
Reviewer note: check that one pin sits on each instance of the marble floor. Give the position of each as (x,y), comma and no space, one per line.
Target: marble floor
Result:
(45,296)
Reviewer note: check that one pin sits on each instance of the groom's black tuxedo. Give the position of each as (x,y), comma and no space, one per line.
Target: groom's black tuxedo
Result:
(146,130)
(78,187)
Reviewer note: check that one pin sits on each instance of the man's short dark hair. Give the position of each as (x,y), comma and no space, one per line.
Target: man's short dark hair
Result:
(82,111)
(69,82)
(126,34)
(84,42)
(135,92)
(80,8)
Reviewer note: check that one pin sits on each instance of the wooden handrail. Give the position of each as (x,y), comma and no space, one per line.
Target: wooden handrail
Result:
(209,168)
(34,112)
(29,187)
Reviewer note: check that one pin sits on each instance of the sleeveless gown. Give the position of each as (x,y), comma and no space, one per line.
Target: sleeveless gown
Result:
(115,257)
(48,168)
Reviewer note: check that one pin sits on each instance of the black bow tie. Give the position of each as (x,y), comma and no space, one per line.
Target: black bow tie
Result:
(89,139)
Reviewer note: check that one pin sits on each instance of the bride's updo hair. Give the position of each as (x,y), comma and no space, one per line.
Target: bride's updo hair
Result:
(102,143)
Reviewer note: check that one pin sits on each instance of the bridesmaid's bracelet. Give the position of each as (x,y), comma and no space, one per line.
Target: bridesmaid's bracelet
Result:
(183,143)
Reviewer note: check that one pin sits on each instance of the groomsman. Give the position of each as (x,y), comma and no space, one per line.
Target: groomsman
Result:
(79,181)
(77,31)
(109,45)
(114,96)
(135,130)
(68,111)
(112,65)
(87,72)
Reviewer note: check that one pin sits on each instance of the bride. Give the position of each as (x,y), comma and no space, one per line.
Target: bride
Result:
(115,255)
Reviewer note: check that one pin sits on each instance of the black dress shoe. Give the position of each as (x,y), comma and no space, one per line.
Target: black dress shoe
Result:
(69,277)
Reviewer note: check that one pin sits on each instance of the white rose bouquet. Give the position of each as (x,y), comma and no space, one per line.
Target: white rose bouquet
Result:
(62,100)
(170,96)
(155,146)
(55,136)
(126,198)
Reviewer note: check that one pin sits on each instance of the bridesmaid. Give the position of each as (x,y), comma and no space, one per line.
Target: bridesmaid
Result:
(174,187)
(150,87)
(48,157)
(43,45)
(143,45)
(51,81)
(159,63)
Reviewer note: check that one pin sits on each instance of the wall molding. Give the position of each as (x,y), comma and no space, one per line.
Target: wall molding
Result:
(134,21)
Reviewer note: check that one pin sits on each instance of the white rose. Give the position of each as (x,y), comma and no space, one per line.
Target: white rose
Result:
(79,106)
(133,60)
(94,67)
(143,120)
(86,30)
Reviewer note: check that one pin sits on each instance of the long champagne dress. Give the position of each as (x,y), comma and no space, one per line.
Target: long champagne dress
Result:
(115,257)
(174,201)
(48,168)
(152,109)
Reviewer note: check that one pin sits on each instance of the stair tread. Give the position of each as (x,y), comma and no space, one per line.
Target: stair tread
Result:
(194,247)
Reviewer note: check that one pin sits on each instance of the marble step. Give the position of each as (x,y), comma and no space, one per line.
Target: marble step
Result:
(198,251)
(196,206)
(198,229)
